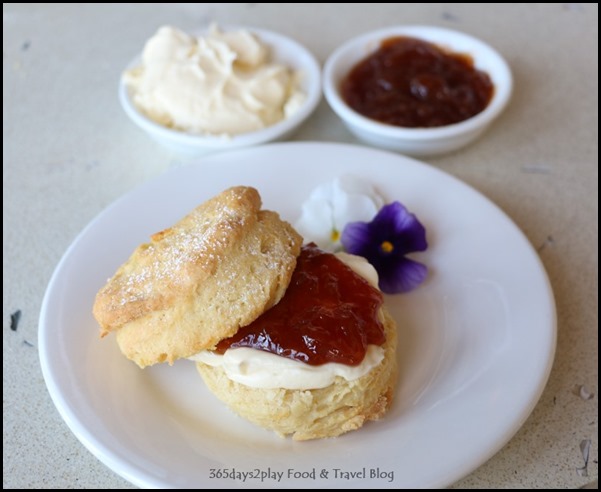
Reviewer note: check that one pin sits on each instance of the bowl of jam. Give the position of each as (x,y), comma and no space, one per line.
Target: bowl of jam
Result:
(419,90)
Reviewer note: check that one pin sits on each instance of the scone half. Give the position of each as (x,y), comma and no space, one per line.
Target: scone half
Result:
(314,413)
(199,281)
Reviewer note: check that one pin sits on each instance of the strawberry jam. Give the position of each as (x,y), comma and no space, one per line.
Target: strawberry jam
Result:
(328,314)
(411,83)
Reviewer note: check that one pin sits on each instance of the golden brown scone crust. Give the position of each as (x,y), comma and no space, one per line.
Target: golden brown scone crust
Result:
(217,269)
(311,414)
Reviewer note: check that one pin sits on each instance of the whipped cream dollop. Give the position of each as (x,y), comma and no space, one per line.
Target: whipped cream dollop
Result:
(220,84)
(260,369)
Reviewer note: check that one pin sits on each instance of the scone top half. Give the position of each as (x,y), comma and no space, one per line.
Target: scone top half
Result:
(198,282)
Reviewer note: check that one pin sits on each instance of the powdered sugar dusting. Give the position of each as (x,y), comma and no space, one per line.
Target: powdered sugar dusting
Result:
(173,260)
(216,269)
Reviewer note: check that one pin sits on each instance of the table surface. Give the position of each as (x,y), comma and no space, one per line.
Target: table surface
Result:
(70,151)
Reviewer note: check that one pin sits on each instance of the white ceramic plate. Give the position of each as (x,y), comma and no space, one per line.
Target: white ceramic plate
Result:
(477,339)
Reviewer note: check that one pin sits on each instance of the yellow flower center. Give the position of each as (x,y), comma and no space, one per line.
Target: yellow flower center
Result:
(387,247)
(335,236)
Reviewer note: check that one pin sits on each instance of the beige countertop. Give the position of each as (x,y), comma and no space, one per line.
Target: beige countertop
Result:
(69,151)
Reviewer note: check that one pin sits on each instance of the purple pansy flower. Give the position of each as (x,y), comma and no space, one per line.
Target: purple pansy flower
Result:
(393,233)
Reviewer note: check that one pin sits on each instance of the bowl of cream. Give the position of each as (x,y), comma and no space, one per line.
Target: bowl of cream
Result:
(221,89)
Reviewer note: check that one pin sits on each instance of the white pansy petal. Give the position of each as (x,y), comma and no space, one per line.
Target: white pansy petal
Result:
(315,223)
(334,204)
(323,192)
(352,184)
(353,208)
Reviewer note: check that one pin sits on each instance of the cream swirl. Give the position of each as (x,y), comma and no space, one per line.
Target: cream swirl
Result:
(219,84)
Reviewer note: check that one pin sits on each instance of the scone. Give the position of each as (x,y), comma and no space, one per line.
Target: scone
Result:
(197,282)
(293,339)
(313,413)
(318,364)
